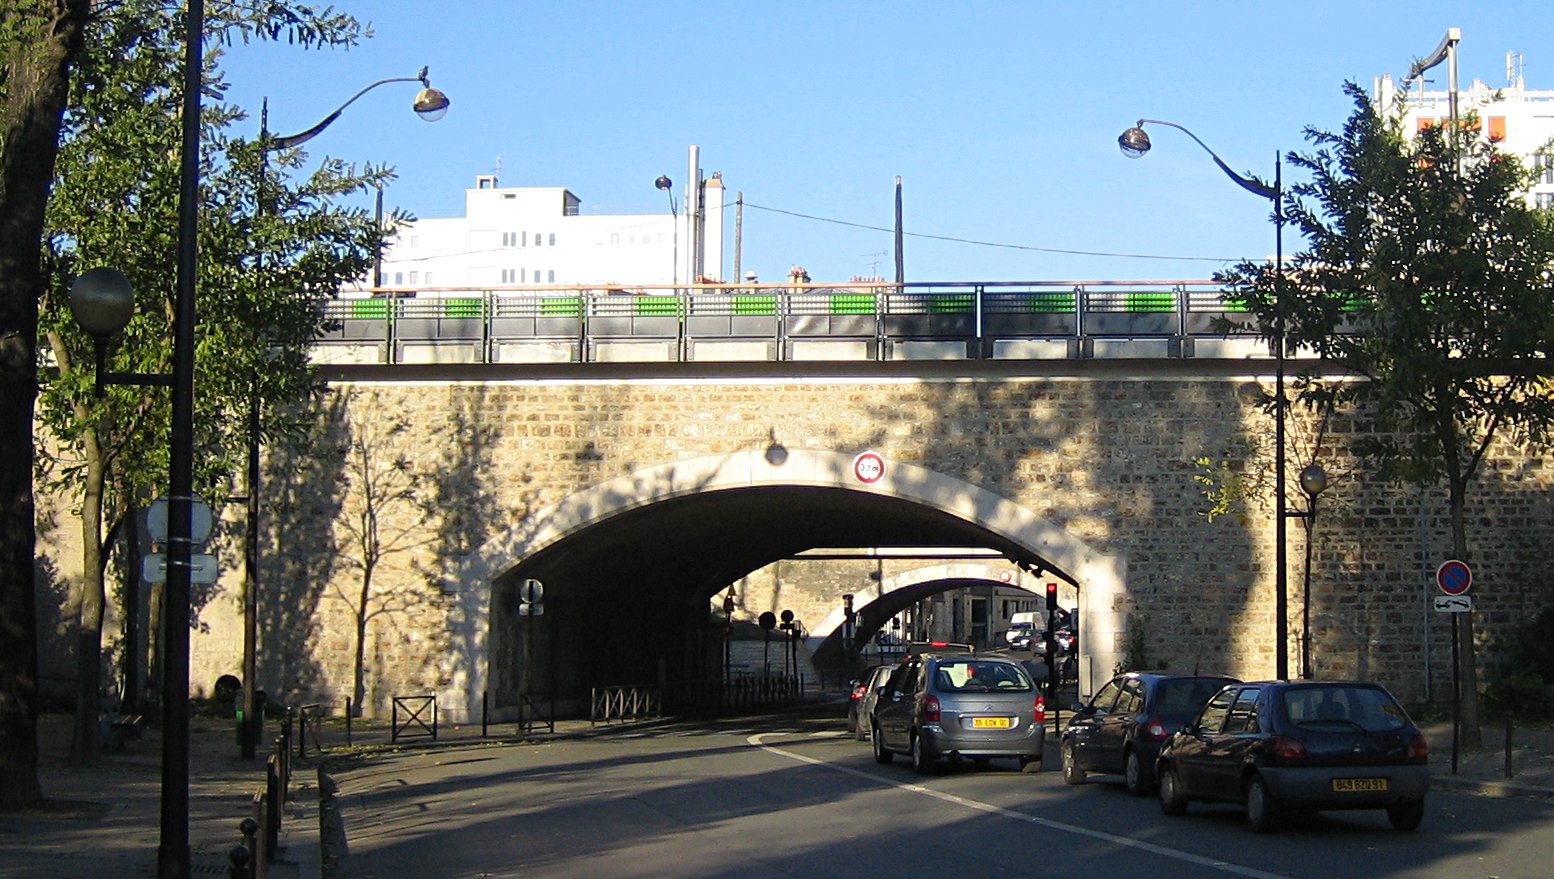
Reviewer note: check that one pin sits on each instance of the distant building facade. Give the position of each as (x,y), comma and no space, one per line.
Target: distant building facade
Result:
(539,235)
(1513,117)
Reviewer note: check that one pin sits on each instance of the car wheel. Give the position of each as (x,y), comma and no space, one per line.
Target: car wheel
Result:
(1133,774)
(880,754)
(1072,773)
(1406,816)
(1173,800)
(1262,813)
(920,761)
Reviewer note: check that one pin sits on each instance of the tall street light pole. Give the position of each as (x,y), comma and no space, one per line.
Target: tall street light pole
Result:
(1135,143)
(431,105)
(173,851)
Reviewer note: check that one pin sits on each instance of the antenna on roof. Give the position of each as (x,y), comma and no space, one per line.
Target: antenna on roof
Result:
(1513,70)
(496,170)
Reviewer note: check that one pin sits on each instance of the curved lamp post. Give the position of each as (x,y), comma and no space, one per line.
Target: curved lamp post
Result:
(664,183)
(431,105)
(1313,481)
(1134,144)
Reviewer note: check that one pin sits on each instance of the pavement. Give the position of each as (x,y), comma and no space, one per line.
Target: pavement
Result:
(104,820)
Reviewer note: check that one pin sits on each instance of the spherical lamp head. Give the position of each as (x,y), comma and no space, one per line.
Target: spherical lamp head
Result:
(1313,480)
(102,302)
(1134,143)
(431,104)
(663,182)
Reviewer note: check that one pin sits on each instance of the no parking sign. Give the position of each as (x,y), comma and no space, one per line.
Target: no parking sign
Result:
(1454,577)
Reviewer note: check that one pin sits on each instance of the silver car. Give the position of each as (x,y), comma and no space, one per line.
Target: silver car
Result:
(959,705)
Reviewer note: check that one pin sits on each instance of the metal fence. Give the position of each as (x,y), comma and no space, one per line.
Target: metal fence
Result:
(957,320)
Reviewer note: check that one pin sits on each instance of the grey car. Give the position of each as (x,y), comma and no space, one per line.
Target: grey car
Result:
(864,694)
(975,706)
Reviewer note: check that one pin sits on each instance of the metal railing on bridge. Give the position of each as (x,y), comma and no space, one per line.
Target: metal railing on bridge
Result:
(781,322)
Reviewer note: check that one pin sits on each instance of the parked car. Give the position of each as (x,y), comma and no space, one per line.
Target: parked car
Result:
(952,705)
(865,691)
(1281,746)
(1121,728)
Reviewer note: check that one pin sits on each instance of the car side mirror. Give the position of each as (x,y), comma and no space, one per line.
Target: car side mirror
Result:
(1077,708)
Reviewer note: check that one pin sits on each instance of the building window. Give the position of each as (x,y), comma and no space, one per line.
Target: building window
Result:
(399,277)
(1544,200)
(508,276)
(509,239)
(550,276)
(552,239)
(1544,163)
(537,239)
(413,276)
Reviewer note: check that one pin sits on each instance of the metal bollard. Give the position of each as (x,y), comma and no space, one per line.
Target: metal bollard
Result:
(250,830)
(239,858)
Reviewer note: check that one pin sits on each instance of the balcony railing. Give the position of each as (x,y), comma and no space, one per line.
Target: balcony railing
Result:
(781,322)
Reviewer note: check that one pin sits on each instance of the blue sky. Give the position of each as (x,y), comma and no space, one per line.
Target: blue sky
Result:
(1000,117)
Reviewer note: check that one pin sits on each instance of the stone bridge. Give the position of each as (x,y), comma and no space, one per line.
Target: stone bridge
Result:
(641,493)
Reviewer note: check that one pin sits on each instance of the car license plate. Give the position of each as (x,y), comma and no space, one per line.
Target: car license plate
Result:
(1354,785)
(990,723)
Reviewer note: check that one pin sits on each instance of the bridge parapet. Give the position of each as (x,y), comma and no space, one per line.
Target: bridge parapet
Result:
(963,320)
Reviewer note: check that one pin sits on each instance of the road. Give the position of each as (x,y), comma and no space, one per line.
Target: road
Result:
(799,799)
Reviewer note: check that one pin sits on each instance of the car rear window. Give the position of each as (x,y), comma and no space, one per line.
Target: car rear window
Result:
(1188,695)
(980,676)
(1369,708)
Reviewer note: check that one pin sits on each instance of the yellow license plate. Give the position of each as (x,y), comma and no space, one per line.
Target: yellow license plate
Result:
(990,723)
(1353,785)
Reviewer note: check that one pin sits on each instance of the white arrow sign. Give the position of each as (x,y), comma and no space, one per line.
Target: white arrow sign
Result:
(1452,603)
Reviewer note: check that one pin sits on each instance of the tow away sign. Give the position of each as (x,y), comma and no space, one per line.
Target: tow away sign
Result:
(1452,603)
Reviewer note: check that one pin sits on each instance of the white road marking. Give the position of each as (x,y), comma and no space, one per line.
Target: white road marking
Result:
(977,805)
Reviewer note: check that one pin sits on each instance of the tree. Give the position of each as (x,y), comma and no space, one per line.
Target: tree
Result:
(1428,278)
(40,41)
(269,251)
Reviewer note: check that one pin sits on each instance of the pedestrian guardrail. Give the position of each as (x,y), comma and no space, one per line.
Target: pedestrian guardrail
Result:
(414,710)
(613,704)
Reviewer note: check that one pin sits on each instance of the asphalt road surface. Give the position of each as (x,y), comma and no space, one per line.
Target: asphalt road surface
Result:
(800,799)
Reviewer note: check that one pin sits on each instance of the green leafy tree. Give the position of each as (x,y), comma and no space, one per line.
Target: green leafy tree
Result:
(40,41)
(270,249)
(1428,278)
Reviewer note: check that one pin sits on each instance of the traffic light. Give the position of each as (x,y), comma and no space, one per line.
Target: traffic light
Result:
(1052,597)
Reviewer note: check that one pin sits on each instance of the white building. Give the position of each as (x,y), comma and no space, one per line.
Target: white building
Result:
(1515,118)
(537,235)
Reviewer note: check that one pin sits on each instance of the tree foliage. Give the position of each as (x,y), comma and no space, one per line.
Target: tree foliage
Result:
(1427,276)
(269,249)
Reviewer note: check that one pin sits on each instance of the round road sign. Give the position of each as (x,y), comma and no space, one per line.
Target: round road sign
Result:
(869,468)
(1454,577)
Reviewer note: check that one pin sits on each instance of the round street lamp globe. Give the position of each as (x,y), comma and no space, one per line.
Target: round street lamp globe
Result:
(102,301)
(431,104)
(1134,143)
(1313,480)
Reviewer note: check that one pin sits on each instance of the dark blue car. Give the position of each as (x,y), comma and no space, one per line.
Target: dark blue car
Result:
(1121,729)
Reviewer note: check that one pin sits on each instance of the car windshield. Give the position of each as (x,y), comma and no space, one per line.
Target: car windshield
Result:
(980,676)
(1339,706)
(1187,696)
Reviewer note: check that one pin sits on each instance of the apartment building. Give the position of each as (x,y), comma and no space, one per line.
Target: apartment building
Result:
(1513,117)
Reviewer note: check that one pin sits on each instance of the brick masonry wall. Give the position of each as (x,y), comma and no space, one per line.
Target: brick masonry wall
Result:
(1112,461)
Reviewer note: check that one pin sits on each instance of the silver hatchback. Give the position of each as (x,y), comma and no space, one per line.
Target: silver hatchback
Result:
(959,705)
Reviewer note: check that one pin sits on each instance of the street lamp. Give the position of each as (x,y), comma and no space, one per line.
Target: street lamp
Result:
(431,105)
(1313,481)
(664,183)
(1135,143)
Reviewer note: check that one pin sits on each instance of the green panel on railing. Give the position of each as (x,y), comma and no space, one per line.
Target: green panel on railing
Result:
(660,306)
(461,308)
(569,306)
(852,303)
(1145,303)
(755,304)
(1355,301)
(951,303)
(1050,303)
(372,309)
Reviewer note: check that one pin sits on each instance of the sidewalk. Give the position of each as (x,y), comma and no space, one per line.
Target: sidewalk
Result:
(104,821)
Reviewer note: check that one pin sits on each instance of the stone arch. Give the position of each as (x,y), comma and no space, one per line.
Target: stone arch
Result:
(1099,577)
